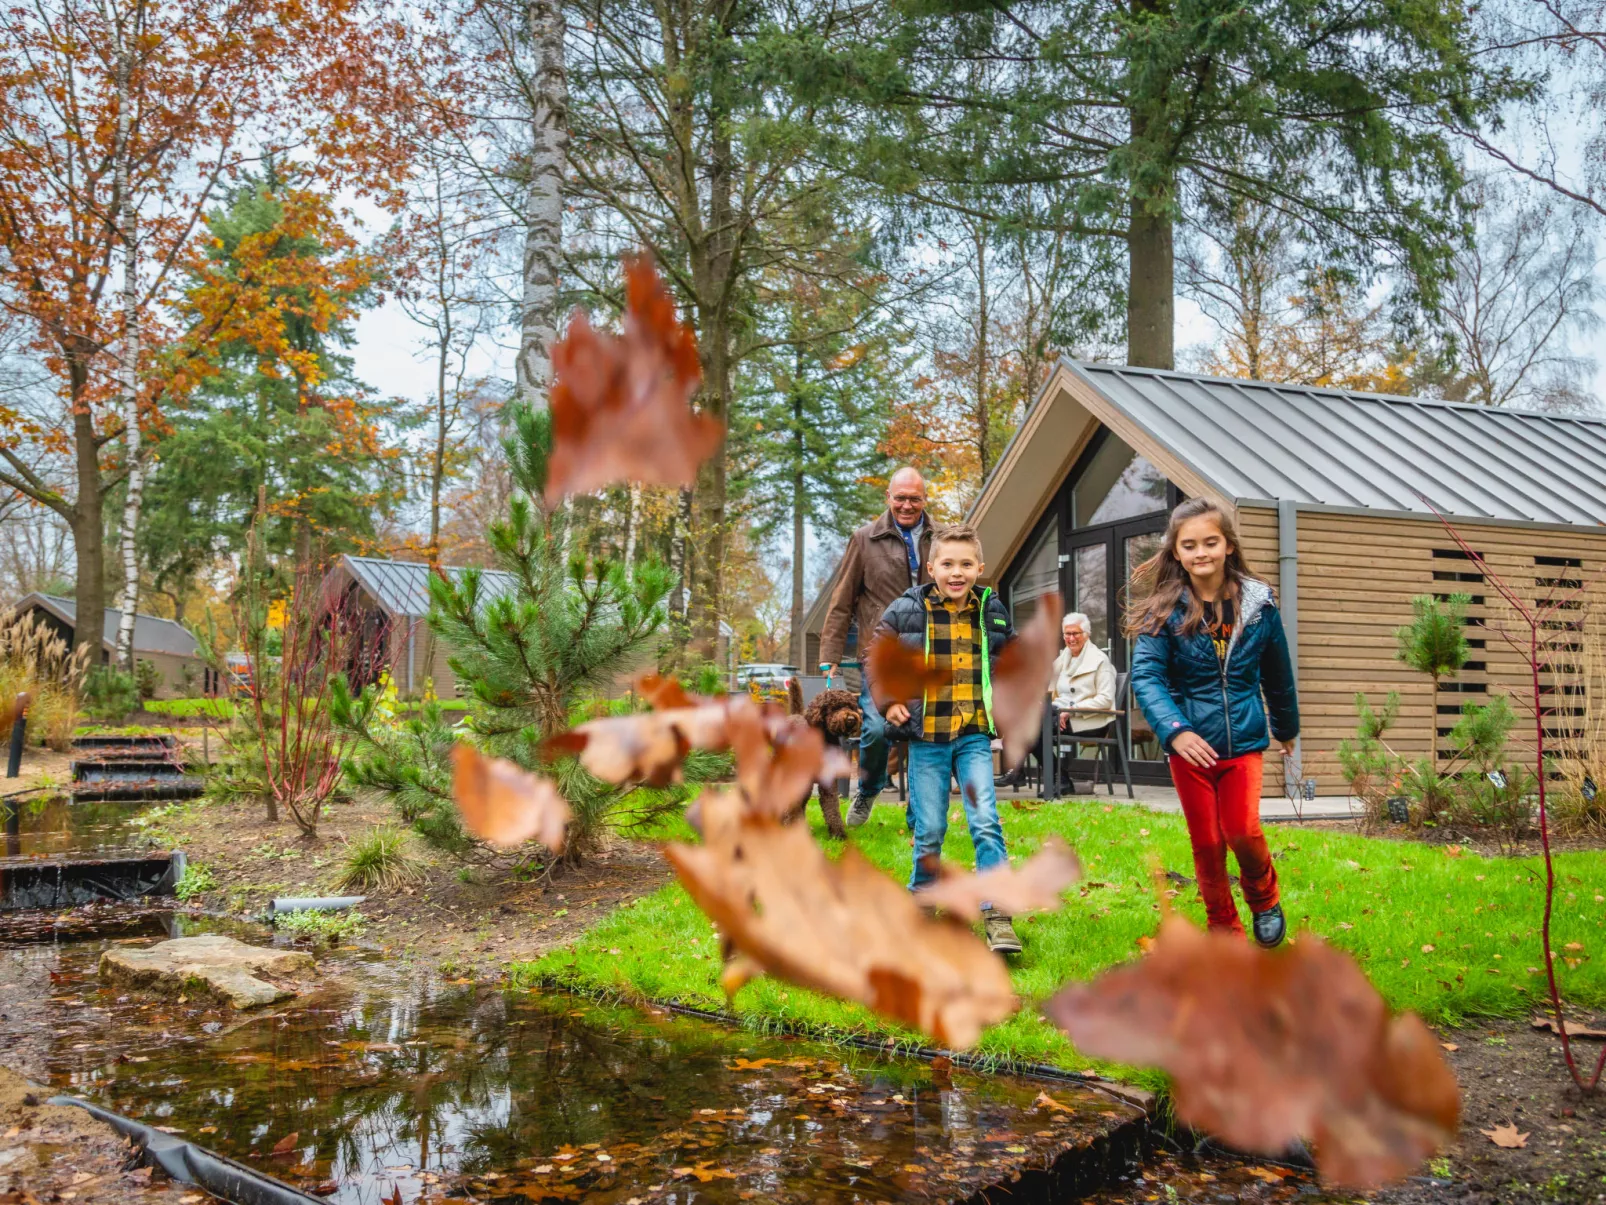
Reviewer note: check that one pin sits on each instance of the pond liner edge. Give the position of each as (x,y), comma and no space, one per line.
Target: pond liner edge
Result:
(192,1164)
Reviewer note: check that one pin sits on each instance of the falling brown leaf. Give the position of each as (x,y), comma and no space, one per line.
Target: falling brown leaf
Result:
(900,674)
(505,805)
(1034,886)
(647,747)
(1506,1136)
(286,1144)
(840,927)
(1020,683)
(777,764)
(621,404)
(1575,1029)
(1264,1048)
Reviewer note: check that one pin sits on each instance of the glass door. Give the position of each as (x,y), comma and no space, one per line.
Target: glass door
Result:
(1136,549)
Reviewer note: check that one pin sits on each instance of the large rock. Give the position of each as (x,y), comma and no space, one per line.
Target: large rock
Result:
(226,968)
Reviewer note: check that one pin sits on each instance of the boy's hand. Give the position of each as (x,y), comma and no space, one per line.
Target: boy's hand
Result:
(1194,749)
(897,714)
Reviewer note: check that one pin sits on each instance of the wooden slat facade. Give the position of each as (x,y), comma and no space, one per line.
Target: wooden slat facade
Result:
(1357,576)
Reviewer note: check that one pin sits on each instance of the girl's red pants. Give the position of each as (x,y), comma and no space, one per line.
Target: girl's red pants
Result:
(1222,805)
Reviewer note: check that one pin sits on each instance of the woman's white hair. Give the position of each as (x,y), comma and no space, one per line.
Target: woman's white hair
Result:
(1080,620)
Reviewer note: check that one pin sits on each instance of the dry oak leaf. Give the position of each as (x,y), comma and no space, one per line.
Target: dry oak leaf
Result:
(1034,886)
(1575,1029)
(621,404)
(841,927)
(504,805)
(1021,681)
(1266,1047)
(900,674)
(647,747)
(778,764)
(1506,1136)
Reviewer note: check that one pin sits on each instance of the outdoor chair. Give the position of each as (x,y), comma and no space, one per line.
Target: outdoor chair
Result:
(1110,742)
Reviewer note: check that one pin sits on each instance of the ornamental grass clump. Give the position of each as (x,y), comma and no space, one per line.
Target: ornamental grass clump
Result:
(36,661)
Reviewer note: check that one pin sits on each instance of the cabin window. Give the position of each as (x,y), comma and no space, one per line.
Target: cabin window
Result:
(1116,484)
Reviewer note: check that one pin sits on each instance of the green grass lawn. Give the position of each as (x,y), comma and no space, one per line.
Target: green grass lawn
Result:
(222,709)
(1449,937)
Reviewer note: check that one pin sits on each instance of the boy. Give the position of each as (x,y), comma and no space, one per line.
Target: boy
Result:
(950,730)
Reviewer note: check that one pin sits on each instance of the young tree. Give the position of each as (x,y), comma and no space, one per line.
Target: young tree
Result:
(1335,112)
(119,123)
(262,401)
(817,395)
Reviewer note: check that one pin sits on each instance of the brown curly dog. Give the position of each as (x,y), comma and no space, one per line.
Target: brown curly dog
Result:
(836,714)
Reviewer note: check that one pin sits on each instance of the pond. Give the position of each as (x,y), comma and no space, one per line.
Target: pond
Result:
(386,1080)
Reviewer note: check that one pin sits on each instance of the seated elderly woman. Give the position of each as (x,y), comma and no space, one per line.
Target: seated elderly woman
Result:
(1084,679)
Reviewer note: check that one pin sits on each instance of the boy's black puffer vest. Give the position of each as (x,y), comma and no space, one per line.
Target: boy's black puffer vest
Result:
(905,618)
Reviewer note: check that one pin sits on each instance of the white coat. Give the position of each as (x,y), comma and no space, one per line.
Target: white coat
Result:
(1087,680)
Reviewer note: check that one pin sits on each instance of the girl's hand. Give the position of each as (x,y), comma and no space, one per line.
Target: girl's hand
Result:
(1288,748)
(1195,750)
(897,714)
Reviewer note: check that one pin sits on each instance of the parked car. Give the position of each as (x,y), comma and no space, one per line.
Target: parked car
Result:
(765,681)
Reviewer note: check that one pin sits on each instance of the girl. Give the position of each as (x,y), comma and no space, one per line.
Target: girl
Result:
(1209,642)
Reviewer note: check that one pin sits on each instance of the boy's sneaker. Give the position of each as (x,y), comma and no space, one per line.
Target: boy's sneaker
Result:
(1270,927)
(1001,936)
(860,811)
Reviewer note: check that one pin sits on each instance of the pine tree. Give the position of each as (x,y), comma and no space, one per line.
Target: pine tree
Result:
(531,660)
(1435,643)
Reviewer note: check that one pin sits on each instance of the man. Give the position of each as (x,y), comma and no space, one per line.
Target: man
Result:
(883,559)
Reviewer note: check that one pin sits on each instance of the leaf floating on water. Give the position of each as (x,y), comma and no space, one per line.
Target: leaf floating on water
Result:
(899,674)
(286,1144)
(840,927)
(504,805)
(621,404)
(1034,886)
(1020,683)
(1506,1136)
(1266,1047)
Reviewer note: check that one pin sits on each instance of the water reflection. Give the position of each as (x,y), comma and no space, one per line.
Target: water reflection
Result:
(451,1091)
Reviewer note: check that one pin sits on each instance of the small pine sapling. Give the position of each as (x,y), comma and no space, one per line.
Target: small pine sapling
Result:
(1435,643)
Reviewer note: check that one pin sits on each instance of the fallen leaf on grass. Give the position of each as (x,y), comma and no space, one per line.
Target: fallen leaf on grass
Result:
(286,1144)
(1034,886)
(505,805)
(899,674)
(1145,944)
(1575,1029)
(1506,1136)
(621,404)
(1021,681)
(840,927)
(1265,1048)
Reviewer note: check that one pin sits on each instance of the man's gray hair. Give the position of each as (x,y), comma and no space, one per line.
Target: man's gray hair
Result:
(1080,620)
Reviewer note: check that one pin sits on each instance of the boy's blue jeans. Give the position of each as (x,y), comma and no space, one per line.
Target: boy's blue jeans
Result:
(970,760)
(872,745)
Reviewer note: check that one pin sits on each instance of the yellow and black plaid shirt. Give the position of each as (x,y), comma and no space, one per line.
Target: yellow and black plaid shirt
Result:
(953,631)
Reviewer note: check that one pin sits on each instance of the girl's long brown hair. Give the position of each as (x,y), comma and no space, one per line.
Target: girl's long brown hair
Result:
(1158,584)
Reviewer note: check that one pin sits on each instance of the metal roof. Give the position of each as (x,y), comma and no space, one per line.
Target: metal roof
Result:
(151,635)
(1262,441)
(402,587)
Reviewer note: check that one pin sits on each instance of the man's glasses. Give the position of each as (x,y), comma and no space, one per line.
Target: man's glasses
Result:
(906,498)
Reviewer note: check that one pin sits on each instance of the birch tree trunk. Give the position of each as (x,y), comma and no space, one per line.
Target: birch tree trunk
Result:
(543,216)
(128,352)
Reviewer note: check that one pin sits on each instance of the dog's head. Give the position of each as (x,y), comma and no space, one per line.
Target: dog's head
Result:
(835,713)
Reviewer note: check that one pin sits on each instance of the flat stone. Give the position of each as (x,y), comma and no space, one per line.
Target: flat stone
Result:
(226,968)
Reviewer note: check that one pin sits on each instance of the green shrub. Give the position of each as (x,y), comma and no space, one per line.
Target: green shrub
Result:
(110,695)
(147,679)
(380,859)
(196,880)
(326,927)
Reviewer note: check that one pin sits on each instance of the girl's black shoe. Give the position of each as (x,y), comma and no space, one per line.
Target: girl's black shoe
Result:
(1270,927)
